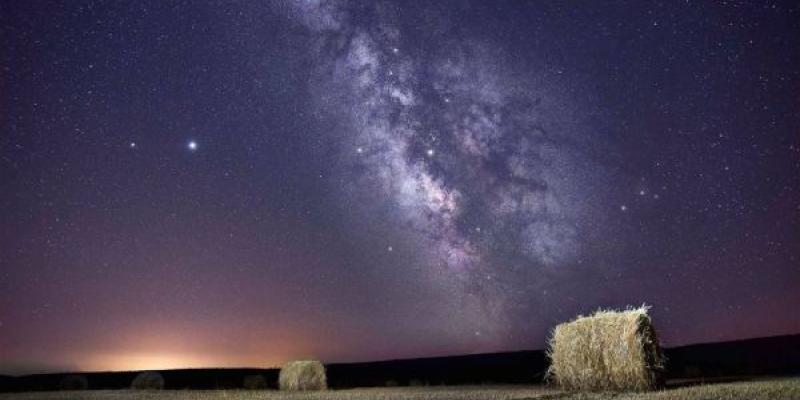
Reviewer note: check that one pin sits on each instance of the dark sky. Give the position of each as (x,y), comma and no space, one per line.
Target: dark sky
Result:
(190,183)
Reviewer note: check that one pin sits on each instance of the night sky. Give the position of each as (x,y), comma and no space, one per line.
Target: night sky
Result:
(238,183)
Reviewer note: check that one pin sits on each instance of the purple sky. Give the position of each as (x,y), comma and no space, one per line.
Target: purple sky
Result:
(241,183)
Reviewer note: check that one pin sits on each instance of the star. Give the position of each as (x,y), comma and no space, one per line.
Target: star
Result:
(623,207)
(132,145)
(359,150)
(430,152)
(192,145)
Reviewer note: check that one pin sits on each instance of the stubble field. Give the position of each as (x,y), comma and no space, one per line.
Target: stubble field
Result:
(768,389)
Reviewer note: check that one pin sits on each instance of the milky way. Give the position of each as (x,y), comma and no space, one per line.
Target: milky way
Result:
(478,164)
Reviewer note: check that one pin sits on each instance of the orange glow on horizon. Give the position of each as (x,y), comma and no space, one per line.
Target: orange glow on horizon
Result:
(179,345)
(165,360)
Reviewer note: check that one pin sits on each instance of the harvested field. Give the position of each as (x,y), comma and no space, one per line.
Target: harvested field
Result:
(768,389)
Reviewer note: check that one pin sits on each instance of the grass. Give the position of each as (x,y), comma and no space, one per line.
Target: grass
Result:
(770,389)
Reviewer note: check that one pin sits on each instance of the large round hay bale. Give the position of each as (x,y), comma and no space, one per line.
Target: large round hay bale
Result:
(302,375)
(148,381)
(610,350)
(73,382)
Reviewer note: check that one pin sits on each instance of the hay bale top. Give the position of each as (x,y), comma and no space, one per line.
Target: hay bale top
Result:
(302,375)
(609,350)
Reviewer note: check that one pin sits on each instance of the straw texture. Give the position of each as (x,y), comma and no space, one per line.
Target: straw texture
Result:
(609,350)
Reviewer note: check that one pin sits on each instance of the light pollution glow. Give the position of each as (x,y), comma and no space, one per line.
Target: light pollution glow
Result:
(170,346)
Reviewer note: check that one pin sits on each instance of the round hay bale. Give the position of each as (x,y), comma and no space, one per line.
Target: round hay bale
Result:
(302,375)
(254,382)
(148,381)
(73,382)
(609,350)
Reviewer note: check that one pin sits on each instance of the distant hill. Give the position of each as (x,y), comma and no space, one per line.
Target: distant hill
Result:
(205,378)
(6,382)
(779,355)
(512,367)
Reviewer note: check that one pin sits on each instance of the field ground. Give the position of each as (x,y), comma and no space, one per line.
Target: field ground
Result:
(766,389)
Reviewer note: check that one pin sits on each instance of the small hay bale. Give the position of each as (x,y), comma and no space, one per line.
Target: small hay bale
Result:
(609,350)
(302,375)
(73,382)
(255,382)
(148,381)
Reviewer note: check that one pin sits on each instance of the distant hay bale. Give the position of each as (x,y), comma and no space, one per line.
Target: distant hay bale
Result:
(148,381)
(610,350)
(302,375)
(254,382)
(73,382)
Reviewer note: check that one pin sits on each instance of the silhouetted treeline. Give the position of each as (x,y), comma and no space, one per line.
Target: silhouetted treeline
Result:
(778,355)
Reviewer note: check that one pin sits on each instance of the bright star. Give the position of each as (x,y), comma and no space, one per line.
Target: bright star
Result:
(430,152)
(359,150)
(133,145)
(192,145)
(623,207)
